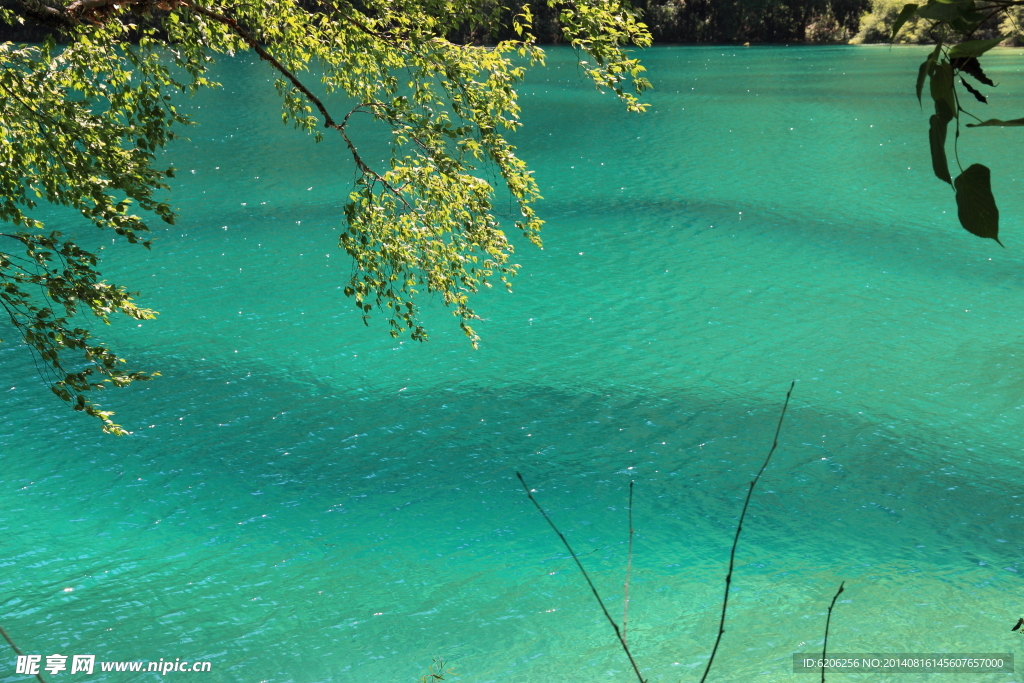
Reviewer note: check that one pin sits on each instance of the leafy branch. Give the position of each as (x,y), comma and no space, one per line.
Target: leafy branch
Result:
(947,65)
(82,127)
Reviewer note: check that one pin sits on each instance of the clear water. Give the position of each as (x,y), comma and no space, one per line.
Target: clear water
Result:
(304,499)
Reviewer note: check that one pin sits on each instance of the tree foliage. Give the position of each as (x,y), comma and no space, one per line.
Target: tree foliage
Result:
(82,125)
(876,25)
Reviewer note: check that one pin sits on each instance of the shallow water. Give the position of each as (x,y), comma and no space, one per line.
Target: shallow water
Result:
(304,499)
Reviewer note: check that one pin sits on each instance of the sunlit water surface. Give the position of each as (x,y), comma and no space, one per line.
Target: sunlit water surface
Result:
(304,499)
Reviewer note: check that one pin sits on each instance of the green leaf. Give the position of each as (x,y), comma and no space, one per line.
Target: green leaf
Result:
(937,139)
(963,27)
(997,122)
(938,11)
(976,207)
(969,13)
(977,95)
(942,91)
(924,70)
(974,48)
(971,66)
(905,14)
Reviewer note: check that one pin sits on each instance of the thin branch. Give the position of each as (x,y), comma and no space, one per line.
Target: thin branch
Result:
(366,170)
(828,619)
(956,137)
(1013,21)
(970,114)
(565,542)
(301,87)
(629,565)
(16,650)
(264,55)
(739,528)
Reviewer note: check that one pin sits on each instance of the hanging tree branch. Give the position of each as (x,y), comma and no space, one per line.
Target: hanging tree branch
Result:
(420,224)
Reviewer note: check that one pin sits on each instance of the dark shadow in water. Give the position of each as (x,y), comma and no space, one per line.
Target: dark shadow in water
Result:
(276,487)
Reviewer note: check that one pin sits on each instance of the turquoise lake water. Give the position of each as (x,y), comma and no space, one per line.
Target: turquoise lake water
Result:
(305,499)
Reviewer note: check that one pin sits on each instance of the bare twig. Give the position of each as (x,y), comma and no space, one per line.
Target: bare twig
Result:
(629,564)
(739,528)
(17,651)
(824,647)
(565,542)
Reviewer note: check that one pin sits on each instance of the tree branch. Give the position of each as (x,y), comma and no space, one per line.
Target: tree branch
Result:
(299,85)
(264,55)
(739,528)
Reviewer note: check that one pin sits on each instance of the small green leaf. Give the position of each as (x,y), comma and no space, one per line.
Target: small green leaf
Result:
(974,48)
(976,207)
(937,138)
(905,14)
(997,122)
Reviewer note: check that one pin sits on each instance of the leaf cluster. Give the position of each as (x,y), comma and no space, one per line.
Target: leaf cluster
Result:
(955,57)
(80,127)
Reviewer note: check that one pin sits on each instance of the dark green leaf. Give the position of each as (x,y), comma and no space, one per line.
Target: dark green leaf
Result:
(997,122)
(922,72)
(925,68)
(974,48)
(905,14)
(970,14)
(962,26)
(976,207)
(977,95)
(971,66)
(939,11)
(937,139)
(942,90)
